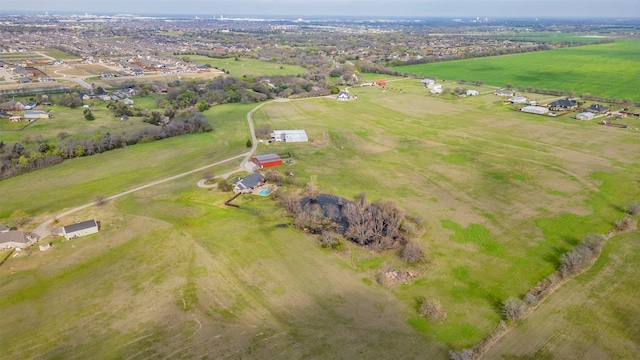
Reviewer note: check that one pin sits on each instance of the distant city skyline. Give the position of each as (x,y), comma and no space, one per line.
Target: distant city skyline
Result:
(364,8)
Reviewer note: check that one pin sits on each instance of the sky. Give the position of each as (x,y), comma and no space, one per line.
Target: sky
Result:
(366,8)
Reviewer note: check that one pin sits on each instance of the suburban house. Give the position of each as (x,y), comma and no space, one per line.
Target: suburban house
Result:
(4,228)
(517,100)
(540,110)
(289,135)
(472,93)
(35,114)
(343,95)
(563,104)
(247,183)
(503,92)
(267,160)
(598,108)
(30,106)
(80,229)
(4,114)
(586,116)
(17,239)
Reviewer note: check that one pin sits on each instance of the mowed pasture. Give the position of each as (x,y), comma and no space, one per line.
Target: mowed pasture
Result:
(603,70)
(249,67)
(502,195)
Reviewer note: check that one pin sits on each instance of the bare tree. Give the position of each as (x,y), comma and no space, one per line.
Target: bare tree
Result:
(513,309)
(412,252)
(101,200)
(311,190)
(18,218)
(465,354)
(432,310)
(273,176)
(330,239)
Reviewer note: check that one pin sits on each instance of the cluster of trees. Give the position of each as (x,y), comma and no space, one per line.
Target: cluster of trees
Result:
(229,89)
(379,225)
(15,159)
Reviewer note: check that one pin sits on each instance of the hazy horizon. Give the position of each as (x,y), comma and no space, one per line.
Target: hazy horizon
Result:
(351,8)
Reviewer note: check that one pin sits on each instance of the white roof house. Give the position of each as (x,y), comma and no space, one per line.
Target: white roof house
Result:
(540,110)
(517,100)
(472,93)
(290,135)
(586,116)
(428,82)
(80,229)
(436,89)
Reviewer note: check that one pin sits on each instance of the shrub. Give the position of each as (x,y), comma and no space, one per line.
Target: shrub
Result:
(465,354)
(432,310)
(330,239)
(633,208)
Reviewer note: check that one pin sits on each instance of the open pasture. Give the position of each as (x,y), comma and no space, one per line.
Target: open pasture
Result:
(568,326)
(84,70)
(604,70)
(249,67)
(502,195)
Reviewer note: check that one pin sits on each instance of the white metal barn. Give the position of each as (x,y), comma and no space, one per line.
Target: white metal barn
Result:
(290,135)
(586,116)
(80,229)
(540,110)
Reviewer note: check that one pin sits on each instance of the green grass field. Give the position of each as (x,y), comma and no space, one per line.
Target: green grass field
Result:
(604,298)
(249,67)
(604,70)
(502,194)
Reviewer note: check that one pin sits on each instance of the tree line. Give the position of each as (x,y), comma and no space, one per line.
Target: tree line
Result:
(15,159)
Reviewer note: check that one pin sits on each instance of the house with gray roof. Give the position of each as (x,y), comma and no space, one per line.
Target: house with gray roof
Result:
(80,229)
(17,239)
(247,183)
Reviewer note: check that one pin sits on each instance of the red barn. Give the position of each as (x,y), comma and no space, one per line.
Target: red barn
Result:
(381,83)
(267,160)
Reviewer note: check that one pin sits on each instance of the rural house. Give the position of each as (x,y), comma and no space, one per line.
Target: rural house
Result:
(503,92)
(563,104)
(247,183)
(267,160)
(80,229)
(598,108)
(343,95)
(472,93)
(517,100)
(436,89)
(13,239)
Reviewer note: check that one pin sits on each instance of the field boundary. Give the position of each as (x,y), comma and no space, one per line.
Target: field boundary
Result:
(504,328)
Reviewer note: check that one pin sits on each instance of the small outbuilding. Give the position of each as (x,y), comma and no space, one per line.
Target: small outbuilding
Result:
(472,93)
(539,110)
(343,95)
(267,160)
(585,116)
(80,229)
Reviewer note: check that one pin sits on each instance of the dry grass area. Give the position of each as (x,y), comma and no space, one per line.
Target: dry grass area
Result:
(84,70)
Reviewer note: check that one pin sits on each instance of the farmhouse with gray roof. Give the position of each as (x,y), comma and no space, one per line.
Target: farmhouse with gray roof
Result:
(80,229)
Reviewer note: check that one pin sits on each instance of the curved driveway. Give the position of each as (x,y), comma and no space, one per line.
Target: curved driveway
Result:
(245,165)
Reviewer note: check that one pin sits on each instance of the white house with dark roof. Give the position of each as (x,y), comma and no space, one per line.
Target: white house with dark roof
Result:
(80,229)
(247,183)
